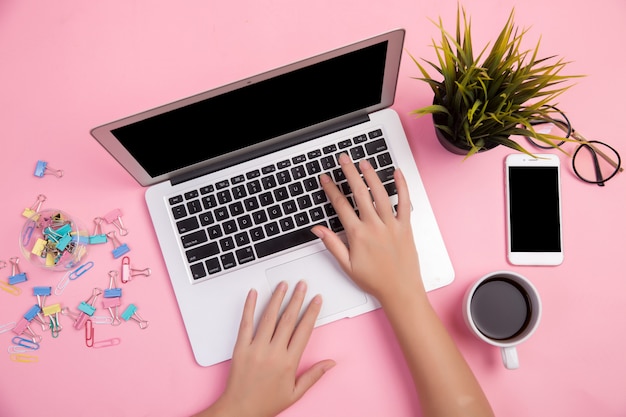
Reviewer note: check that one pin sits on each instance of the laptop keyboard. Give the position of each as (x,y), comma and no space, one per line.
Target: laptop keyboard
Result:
(235,222)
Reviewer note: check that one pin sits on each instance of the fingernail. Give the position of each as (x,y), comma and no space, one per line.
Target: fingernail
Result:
(282,286)
(317,299)
(364,164)
(324,179)
(343,158)
(301,286)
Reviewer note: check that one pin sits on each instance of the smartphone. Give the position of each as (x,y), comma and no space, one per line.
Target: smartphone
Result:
(533,196)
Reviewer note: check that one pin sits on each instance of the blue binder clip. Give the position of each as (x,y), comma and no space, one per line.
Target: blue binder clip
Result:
(113,290)
(119,248)
(16,276)
(42,169)
(98,236)
(41,293)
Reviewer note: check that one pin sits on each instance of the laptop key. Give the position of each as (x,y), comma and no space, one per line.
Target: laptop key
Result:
(245,255)
(213,266)
(285,241)
(202,252)
(179,212)
(187,225)
(197,271)
(228,260)
(376,146)
(193,239)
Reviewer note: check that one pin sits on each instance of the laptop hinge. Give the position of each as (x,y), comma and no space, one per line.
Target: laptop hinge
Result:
(256,153)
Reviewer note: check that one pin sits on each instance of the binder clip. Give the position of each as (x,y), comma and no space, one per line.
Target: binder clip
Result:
(98,236)
(119,248)
(128,273)
(34,314)
(86,309)
(41,293)
(42,168)
(16,276)
(114,217)
(5,286)
(113,290)
(23,326)
(52,312)
(131,313)
(112,304)
(34,209)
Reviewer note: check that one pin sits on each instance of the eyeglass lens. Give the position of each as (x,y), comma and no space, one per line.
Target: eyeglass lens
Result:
(594,162)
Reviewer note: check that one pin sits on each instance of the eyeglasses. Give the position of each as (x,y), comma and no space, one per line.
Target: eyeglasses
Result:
(593,161)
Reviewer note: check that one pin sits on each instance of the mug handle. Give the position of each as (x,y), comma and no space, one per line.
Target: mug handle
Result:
(509,357)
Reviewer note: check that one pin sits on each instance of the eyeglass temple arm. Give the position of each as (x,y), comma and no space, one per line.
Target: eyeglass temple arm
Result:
(582,139)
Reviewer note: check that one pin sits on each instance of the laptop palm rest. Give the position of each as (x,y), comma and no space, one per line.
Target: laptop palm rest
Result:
(324,276)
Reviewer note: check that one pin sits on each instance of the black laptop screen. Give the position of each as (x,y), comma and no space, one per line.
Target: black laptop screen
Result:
(256,113)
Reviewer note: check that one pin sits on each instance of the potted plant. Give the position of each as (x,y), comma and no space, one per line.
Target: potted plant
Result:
(484,101)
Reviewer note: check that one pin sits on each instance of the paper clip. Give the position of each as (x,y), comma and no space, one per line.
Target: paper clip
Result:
(112,304)
(131,313)
(63,282)
(107,343)
(87,309)
(34,209)
(42,293)
(7,327)
(16,276)
(20,357)
(114,217)
(119,248)
(128,273)
(89,331)
(11,289)
(101,319)
(98,236)
(78,272)
(42,168)
(25,343)
(52,312)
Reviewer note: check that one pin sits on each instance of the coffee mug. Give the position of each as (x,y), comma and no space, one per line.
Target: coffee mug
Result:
(503,309)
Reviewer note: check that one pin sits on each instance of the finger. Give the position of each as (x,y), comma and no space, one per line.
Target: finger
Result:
(381,198)
(311,376)
(267,324)
(359,189)
(303,332)
(289,318)
(338,200)
(246,326)
(334,245)
(404,201)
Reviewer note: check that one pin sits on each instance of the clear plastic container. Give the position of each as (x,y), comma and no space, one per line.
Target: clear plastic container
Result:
(54,240)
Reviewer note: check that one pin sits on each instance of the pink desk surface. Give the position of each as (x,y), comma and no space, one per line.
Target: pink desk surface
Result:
(66,67)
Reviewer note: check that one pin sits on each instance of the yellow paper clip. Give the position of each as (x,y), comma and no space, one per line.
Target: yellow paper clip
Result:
(11,289)
(23,358)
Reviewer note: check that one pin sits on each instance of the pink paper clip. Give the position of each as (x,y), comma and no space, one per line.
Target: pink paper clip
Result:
(89,331)
(114,217)
(34,209)
(128,273)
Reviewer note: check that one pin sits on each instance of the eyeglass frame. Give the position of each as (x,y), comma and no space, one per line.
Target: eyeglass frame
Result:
(566,126)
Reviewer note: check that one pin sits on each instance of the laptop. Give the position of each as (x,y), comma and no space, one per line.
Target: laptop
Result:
(232,184)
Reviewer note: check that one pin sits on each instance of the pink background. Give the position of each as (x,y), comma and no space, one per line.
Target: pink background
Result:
(66,67)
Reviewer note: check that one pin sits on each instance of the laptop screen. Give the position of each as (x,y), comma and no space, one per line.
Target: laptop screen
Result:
(258,112)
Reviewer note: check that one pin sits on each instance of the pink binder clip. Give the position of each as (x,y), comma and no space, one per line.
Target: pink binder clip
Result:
(115,218)
(128,273)
(113,304)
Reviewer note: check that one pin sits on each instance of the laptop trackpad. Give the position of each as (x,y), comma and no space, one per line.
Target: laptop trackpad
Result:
(324,276)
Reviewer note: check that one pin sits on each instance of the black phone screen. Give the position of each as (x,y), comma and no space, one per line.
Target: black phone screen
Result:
(534,209)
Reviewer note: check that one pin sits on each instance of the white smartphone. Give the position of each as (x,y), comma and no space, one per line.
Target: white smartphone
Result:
(533,196)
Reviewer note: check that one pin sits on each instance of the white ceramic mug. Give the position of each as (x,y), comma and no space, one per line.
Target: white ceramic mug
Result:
(503,309)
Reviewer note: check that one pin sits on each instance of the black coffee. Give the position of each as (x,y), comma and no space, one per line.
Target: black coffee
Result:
(500,308)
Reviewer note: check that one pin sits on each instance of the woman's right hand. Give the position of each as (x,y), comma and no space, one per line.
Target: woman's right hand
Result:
(380,256)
